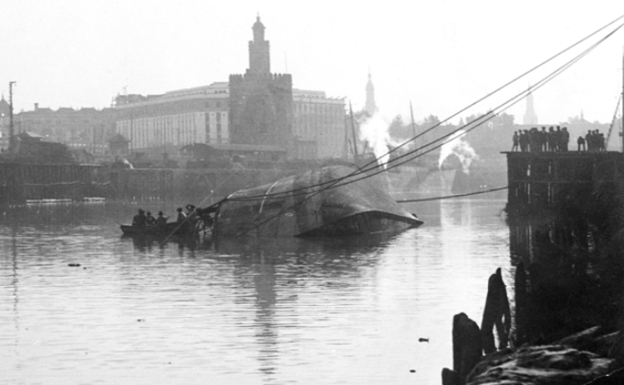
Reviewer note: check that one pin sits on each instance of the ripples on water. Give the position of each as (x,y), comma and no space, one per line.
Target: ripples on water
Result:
(342,311)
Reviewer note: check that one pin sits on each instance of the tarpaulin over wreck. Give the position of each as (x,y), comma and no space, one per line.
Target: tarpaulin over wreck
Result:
(329,201)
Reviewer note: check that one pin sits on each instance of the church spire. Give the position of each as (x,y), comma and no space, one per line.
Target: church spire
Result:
(530,117)
(370,106)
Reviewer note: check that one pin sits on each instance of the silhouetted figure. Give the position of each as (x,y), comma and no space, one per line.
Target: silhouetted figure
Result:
(581,144)
(589,140)
(565,139)
(534,140)
(139,220)
(543,140)
(181,216)
(516,141)
(497,313)
(191,216)
(149,219)
(551,139)
(558,139)
(161,221)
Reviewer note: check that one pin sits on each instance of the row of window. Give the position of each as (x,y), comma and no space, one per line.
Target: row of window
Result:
(319,108)
(178,130)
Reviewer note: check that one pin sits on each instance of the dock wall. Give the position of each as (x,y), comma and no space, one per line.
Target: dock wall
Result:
(540,182)
(20,183)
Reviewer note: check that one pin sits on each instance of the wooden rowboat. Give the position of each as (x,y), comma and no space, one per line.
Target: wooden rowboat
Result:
(172,228)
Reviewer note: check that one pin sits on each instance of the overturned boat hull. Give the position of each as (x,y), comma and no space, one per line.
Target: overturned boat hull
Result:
(330,201)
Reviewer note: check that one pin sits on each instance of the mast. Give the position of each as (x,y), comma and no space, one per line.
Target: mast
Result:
(11,130)
(622,119)
(355,151)
(345,147)
(412,118)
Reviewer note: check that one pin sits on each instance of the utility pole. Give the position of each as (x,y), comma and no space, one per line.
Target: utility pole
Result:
(11,131)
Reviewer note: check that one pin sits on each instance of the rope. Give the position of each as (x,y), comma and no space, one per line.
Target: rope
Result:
(472,125)
(452,196)
(475,123)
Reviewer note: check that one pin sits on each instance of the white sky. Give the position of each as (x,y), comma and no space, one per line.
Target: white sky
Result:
(440,55)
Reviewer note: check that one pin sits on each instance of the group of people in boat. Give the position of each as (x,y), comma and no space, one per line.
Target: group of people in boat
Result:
(535,140)
(186,220)
(146,219)
(555,140)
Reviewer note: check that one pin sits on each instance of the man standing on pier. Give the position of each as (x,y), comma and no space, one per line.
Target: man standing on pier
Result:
(516,141)
(565,139)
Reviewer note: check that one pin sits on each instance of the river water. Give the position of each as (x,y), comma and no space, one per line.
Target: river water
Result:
(345,311)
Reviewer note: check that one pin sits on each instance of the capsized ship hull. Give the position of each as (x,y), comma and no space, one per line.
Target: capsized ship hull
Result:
(321,202)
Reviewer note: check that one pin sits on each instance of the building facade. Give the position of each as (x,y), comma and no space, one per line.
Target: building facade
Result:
(85,128)
(5,112)
(175,119)
(256,108)
(319,125)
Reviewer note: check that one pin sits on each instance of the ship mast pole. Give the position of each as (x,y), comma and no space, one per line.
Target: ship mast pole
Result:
(355,149)
(11,130)
(412,117)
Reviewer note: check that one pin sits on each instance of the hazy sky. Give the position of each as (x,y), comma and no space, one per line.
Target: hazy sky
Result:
(440,55)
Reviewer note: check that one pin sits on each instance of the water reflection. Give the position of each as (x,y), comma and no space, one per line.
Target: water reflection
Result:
(264,279)
(563,282)
(148,243)
(239,310)
(250,246)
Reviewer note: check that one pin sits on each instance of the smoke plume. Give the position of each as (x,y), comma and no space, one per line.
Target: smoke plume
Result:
(374,131)
(458,145)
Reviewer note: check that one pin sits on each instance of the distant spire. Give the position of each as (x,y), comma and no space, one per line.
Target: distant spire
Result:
(371,106)
(530,117)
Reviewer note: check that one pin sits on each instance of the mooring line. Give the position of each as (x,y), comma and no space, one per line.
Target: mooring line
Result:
(452,196)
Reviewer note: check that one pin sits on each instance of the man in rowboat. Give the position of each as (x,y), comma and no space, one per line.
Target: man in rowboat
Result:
(161,220)
(139,219)
(149,219)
